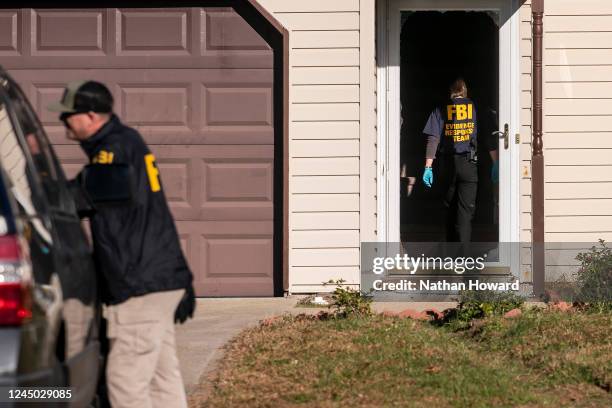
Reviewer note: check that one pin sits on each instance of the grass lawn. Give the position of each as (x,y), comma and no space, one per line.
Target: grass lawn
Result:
(540,359)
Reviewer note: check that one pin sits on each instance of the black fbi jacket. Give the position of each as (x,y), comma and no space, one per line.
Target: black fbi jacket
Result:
(136,245)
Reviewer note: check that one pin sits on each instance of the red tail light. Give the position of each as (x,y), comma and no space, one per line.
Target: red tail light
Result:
(15,293)
(9,249)
(15,304)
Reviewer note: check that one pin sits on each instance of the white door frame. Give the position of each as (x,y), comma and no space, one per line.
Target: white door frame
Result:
(388,112)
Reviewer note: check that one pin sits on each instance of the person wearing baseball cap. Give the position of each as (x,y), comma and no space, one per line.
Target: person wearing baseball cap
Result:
(146,283)
(84,108)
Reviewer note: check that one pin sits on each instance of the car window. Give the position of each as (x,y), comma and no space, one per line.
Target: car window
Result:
(37,144)
(15,179)
(14,162)
(7,224)
(18,176)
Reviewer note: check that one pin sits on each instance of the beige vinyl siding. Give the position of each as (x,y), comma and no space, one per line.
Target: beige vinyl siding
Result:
(324,149)
(316,7)
(311,57)
(578,128)
(525,132)
(321,166)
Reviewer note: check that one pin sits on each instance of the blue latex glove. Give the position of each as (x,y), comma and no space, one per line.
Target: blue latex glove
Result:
(428,176)
(495,172)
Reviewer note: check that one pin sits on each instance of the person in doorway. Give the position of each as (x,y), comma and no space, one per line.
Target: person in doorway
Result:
(452,136)
(145,281)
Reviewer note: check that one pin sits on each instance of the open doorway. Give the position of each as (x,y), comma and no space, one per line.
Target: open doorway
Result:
(435,48)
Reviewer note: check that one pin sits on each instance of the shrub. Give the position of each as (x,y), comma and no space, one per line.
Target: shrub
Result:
(489,302)
(347,301)
(479,305)
(594,278)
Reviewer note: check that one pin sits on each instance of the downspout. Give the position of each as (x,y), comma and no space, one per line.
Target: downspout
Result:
(537,157)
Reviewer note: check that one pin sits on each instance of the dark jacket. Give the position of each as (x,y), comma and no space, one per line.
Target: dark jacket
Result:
(136,245)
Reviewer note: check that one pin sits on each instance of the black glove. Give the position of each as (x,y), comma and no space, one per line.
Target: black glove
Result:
(186,307)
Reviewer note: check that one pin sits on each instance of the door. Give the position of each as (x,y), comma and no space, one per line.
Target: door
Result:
(70,256)
(198,84)
(392,16)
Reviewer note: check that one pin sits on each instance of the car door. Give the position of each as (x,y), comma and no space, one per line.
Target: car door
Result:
(78,345)
(28,349)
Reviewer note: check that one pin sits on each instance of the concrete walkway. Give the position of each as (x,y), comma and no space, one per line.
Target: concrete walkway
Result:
(200,341)
(216,321)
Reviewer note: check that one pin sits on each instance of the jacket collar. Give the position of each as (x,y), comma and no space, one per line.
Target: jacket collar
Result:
(91,144)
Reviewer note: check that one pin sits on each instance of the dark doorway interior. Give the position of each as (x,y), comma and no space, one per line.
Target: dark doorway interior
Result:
(436,47)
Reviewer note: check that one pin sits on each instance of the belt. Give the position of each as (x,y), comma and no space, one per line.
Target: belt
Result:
(449,155)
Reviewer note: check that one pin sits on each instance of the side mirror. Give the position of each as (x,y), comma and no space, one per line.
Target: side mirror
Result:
(108,183)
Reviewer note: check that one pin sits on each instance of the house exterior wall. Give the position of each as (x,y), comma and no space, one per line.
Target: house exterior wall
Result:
(577,128)
(324,139)
(577,75)
(332,132)
(332,108)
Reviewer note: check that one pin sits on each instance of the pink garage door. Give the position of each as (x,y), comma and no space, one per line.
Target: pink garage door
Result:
(197,83)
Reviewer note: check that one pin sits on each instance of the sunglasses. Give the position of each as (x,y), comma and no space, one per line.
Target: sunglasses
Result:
(64,117)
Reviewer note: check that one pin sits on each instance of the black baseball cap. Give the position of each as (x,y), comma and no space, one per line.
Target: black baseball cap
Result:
(84,96)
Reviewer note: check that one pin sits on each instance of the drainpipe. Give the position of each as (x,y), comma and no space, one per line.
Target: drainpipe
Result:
(537,159)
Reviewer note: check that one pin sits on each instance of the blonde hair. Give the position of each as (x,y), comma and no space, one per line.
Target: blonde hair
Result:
(458,89)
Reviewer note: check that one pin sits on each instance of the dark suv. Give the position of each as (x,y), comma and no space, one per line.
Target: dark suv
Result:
(49,312)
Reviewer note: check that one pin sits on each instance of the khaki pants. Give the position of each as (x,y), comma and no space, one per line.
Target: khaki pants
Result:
(77,319)
(142,369)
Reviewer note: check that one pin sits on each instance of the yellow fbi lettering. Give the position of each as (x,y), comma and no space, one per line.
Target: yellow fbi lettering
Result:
(463,138)
(460,132)
(460,111)
(152,172)
(103,157)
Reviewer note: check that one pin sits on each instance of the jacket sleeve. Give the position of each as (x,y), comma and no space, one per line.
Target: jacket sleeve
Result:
(111,153)
(84,205)
(111,177)
(433,131)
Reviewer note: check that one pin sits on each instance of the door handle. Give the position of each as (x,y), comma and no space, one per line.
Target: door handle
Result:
(504,135)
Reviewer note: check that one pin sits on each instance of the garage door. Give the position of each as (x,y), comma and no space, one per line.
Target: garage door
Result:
(197,83)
